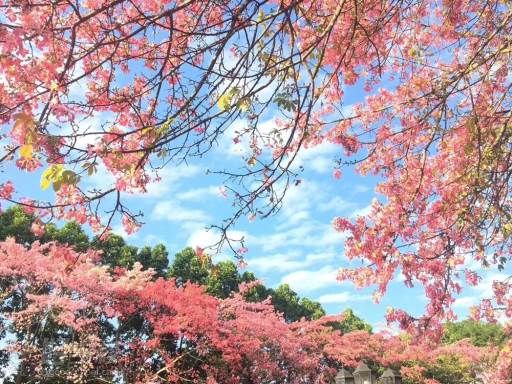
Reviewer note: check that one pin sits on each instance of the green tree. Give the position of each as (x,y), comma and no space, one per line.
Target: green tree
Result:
(480,334)
(286,301)
(117,253)
(223,279)
(156,258)
(351,322)
(14,222)
(255,294)
(186,266)
(293,308)
(311,310)
(71,233)
(446,369)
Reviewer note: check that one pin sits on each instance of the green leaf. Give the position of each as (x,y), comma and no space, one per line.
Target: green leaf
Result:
(57,185)
(244,104)
(69,177)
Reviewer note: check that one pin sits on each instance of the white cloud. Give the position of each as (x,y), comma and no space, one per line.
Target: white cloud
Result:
(171,211)
(227,146)
(465,302)
(319,158)
(207,238)
(361,188)
(84,130)
(332,237)
(308,234)
(302,197)
(203,238)
(101,179)
(335,204)
(290,261)
(199,194)
(282,262)
(348,110)
(297,217)
(391,329)
(119,230)
(342,297)
(171,176)
(361,211)
(305,281)
(153,240)
(482,291)
(485,286)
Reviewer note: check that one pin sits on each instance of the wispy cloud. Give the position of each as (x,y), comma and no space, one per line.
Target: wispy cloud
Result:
(361,211)
(289,261)
(309,234)
(170,179)
(174,212)
(336,204)
(199,194)
(306,281)
(465,302)
(208,238)
(319,158)
(342,297)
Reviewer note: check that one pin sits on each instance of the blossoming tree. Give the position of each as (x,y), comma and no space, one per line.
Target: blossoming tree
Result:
(130,86)
(74,321)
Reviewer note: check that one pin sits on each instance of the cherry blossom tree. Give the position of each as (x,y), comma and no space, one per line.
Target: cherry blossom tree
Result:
(131,86)
(76,322)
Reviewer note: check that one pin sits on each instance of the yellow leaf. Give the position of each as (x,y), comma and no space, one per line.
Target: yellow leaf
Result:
(45,183)
(54,86)
(26,151)
(261,16)
(225,102)
(51,175)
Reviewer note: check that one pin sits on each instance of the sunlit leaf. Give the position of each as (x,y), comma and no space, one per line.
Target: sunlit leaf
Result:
(26,151)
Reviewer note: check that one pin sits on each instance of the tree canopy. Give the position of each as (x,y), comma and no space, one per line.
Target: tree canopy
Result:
(76,320)
(480,334)
(129,87)
(114,295)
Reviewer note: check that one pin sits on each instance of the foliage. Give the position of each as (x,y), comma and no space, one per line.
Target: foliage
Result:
(76,321)
(16,223)
(350,323)
(188,267)
(479,334)
(444,370)
(223,279)
(116,252)
(286,301)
